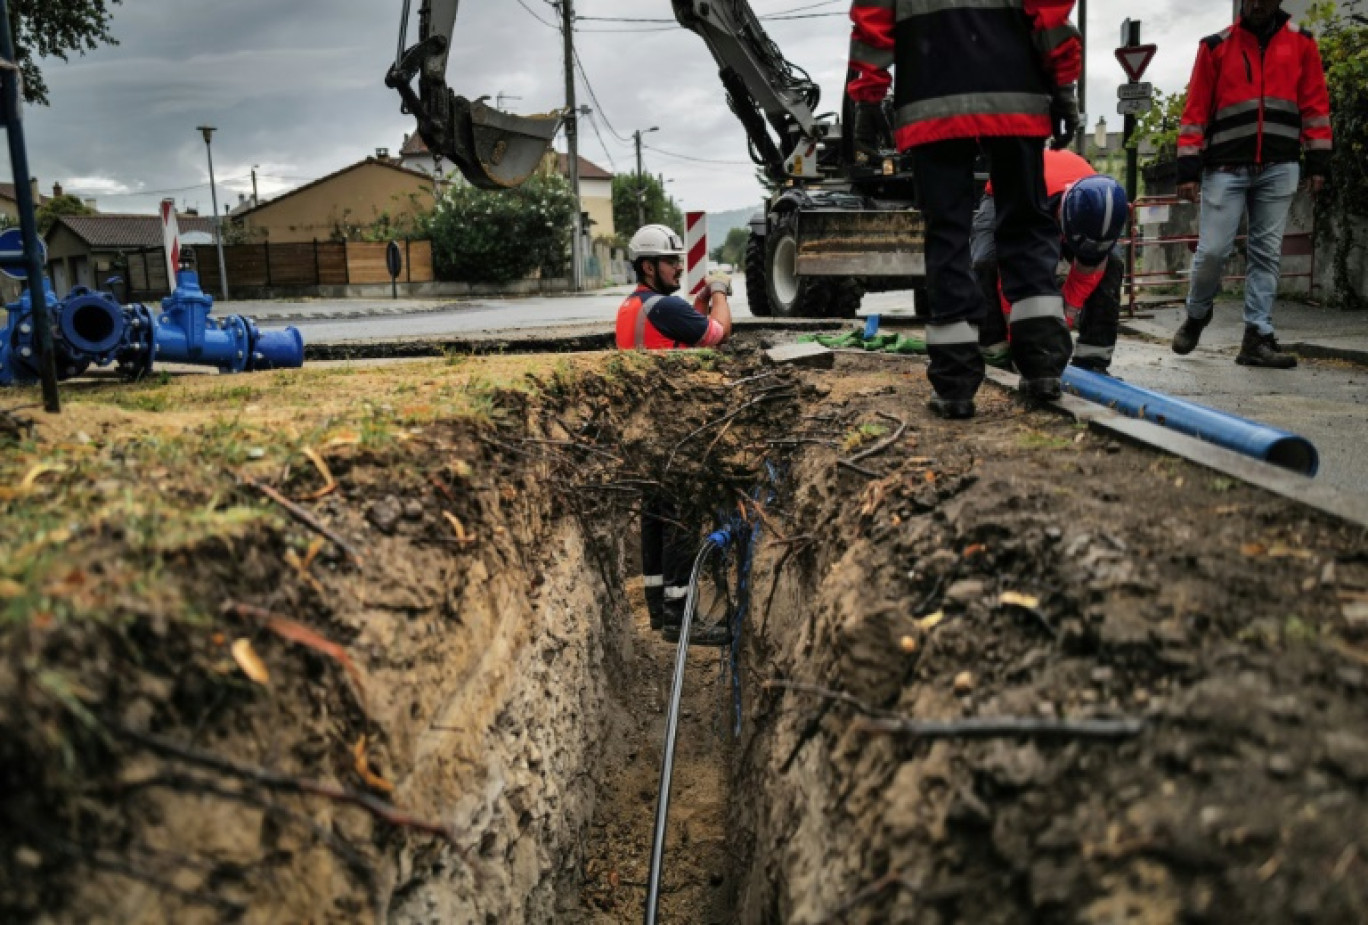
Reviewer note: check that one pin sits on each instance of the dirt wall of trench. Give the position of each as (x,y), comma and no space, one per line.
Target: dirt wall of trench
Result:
(1150,589)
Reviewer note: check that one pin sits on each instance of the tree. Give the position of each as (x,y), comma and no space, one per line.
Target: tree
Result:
(660,209)
(52,29)
(1159,126)
(733,249)
(65,204)
(484,236)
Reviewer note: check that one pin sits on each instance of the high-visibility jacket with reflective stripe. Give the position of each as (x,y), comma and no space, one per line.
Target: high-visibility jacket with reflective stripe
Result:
(1255,105)
(964,68)
(651,321)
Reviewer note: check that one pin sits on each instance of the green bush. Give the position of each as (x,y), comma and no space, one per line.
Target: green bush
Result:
(483,236)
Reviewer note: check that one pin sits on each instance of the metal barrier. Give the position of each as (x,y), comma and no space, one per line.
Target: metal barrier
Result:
(1295,244)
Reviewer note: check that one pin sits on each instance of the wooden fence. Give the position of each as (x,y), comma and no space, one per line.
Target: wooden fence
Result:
(255,267)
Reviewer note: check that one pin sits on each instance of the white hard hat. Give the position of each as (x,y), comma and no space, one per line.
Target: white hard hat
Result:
(656,241)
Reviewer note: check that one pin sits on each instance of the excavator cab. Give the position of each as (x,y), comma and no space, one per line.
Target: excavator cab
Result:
(493,149)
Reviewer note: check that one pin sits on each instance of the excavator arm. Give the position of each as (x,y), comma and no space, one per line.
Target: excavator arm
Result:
(493,149)
(775,100)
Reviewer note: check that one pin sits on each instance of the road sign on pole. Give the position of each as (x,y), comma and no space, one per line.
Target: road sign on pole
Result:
(1135,58)
(1138,91)
(1134,107)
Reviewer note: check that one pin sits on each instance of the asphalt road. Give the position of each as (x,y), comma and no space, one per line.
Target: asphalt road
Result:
(1324,401)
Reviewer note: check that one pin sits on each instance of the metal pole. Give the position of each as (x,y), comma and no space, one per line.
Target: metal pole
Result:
(572,138)
(255,201)
(640,184)
(208,131)
(11,108)
(1080,145)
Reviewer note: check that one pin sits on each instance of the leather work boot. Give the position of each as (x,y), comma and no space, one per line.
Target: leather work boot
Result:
(1189,333)
(1263,350)
(952,409)
(1043,389)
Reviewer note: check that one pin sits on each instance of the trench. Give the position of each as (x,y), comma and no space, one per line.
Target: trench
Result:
(1018,567)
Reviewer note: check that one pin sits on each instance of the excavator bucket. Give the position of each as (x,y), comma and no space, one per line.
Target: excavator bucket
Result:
(493,149)
(497,150)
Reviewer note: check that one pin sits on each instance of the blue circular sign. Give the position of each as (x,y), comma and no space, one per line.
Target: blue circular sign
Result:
(12,260)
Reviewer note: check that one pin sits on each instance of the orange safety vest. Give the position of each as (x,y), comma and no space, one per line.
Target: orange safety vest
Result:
(634,328)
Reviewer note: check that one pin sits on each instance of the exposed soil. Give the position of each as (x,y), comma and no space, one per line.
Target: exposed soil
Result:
(211,712)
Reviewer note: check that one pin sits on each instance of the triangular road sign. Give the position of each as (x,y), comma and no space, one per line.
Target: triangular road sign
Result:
(1135,58)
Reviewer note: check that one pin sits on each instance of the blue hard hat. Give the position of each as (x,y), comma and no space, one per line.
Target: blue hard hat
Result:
(1093,215)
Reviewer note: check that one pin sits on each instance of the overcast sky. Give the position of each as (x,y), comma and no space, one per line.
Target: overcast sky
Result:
(297,89)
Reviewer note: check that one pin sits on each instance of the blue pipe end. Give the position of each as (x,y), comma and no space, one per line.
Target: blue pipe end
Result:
(1252,438)
(720,538)
(92,323)
(278,349)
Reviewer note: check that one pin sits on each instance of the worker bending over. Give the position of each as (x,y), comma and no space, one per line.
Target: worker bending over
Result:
(1090,211)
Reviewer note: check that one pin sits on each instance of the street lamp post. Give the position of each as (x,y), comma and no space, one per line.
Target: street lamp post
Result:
(641,177)
(208,132)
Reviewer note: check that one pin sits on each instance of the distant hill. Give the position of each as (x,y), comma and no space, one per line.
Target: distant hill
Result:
(719,223)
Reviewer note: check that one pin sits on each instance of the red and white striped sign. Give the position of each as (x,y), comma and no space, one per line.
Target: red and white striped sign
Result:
(696,247)
(170,240)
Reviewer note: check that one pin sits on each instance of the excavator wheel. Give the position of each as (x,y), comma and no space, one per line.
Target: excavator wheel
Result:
(794,296)
(757,293)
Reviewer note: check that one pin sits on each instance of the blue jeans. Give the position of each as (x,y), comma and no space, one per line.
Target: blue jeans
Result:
(1226,195)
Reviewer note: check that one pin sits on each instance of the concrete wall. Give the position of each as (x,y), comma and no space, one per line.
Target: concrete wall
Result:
(354,197)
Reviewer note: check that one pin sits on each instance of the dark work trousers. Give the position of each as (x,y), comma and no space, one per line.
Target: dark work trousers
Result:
(1100,320)
(1028,250)
(665,561)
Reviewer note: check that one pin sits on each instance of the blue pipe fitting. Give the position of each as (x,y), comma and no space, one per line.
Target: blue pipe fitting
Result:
(720,538)
(93,328)
(1251,438)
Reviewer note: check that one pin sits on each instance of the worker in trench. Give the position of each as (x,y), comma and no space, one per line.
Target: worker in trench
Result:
(1090,212)
(654,318)
(995,76)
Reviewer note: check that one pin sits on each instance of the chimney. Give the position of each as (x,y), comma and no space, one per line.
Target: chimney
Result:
(33,188)
(89,204)
(242,197)
(382,154)
(56,190)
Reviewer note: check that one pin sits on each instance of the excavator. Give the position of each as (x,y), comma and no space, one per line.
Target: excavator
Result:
(836,223)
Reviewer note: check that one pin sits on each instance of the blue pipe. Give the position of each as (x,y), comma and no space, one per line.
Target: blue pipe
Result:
(1251,438)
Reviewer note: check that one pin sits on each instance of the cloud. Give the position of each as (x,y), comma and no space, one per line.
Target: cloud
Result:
(297,88)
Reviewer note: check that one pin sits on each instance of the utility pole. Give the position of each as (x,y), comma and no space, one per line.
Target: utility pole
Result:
(255,201)
(641,176)
(572,138)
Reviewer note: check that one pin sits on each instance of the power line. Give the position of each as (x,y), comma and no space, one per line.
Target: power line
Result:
(698,160)
(532,12)
(597,105)
(593,123)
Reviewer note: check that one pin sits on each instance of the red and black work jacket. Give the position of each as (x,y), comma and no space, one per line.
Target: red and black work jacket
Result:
(964,70)
(1256,102)
(648,320)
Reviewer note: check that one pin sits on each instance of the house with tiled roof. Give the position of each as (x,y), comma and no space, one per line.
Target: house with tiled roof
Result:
(9,204)
(83,249)
(596,192)
(333,207)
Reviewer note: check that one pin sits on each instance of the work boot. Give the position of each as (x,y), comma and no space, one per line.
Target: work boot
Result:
(700,634)
(1189,333)
(952,409)
(1046,388)
(1263,350)
(1092,366)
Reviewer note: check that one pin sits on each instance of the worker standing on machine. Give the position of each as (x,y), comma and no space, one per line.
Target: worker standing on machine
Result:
(995,75)
(1091,211)
(654,318)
